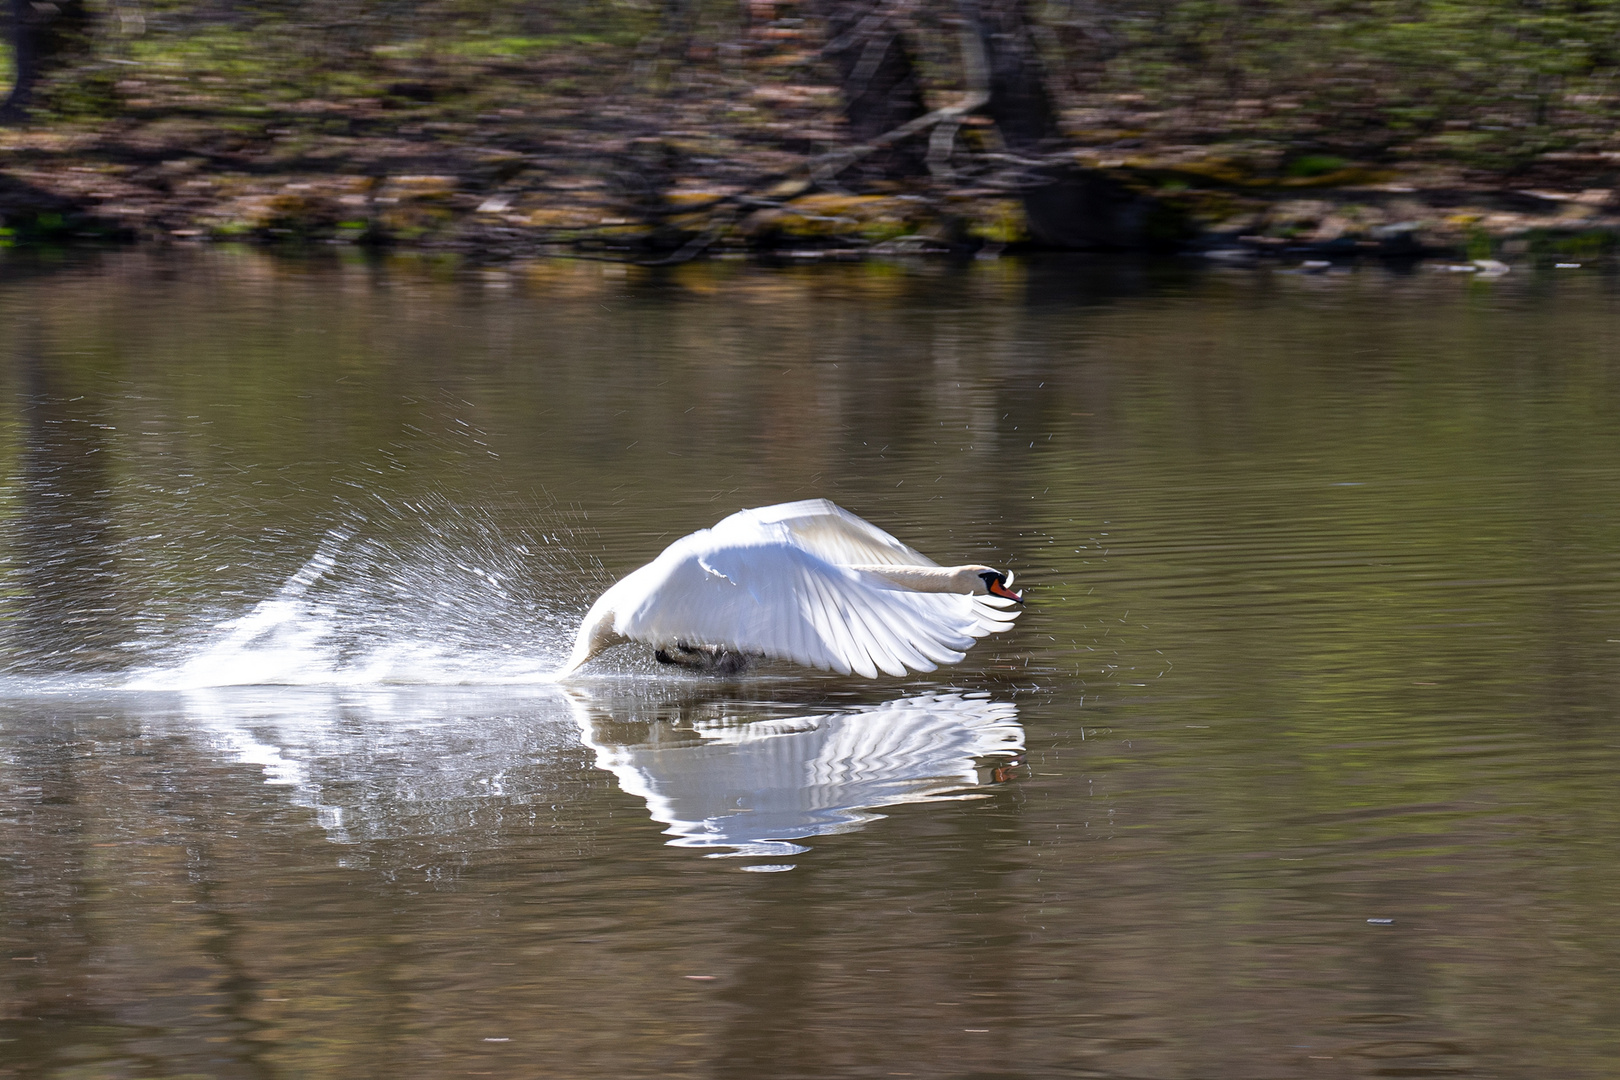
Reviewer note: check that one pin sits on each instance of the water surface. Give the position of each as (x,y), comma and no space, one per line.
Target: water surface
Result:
(1300,763)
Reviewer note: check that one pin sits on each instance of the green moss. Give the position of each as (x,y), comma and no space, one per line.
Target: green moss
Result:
(545,43)
(997,221)
(1584,243)
(1314,165)
(83,93)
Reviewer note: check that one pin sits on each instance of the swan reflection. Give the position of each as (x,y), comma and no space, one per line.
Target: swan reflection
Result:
(728,776)
(723,779)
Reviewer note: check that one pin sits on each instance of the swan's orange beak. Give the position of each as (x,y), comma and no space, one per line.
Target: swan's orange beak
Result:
(998,589)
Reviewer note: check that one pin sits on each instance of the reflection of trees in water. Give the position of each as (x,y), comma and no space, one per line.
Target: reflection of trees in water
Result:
(103,840)
(808,955)
(42,885)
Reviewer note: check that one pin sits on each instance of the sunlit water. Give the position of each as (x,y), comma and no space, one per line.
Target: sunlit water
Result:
(1301,762)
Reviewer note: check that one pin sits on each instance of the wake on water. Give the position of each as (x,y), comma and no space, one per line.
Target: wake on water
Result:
(423,595)
(459,605)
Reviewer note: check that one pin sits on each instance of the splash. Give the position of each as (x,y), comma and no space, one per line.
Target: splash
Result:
(407,594)
(279,641)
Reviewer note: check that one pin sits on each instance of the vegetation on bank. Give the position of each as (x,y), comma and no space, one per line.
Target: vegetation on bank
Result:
(670,130)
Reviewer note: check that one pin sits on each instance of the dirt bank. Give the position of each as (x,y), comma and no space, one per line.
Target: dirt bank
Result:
(516,156)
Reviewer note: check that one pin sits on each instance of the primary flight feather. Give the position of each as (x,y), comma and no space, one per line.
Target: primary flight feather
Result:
(802,581)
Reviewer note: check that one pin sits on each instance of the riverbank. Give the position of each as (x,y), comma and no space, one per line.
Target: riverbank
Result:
(560,150)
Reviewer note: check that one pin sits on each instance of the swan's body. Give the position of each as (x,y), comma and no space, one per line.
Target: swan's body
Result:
(802,581)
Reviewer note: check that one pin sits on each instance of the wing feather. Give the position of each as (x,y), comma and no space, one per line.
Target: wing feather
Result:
(869,622)
(826,530)
(865,654)
(854,639)
(784,601)
(815,630)
(901,635)
(951,618)
(800,632)
(830,625)
(993,614)
(941,649)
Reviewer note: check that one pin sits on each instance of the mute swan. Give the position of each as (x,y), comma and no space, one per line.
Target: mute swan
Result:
(801,581)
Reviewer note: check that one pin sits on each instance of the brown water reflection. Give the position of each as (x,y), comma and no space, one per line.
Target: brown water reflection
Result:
(1324,623)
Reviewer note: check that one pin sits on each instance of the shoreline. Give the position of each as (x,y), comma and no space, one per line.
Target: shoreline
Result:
(75,198)
(517,169)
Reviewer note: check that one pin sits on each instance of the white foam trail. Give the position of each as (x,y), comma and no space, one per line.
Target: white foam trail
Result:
(435,617)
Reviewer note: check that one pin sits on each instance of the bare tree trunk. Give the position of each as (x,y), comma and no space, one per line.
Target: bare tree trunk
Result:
(878,81)
(24,62)
(41,35)
(666,47)
(1019,103)
(1066,205)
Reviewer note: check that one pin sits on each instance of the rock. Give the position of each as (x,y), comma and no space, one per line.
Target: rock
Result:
(1080,209)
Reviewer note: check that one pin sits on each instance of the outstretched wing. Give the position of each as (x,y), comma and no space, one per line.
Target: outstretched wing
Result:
(823,529)
(781,600)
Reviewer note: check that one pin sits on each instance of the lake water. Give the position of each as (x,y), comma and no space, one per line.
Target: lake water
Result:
(1301,762)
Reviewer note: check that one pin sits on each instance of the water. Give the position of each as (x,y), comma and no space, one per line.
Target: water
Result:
(1300,763)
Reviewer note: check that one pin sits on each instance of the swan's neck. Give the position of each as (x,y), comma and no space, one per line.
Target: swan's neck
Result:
(936,579)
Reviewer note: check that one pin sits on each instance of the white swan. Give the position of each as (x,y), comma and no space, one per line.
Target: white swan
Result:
(800,581)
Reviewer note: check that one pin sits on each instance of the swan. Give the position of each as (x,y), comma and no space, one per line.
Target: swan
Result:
(802,581)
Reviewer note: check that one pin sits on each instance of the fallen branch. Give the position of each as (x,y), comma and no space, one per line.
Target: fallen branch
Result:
(830,165)
(824,167)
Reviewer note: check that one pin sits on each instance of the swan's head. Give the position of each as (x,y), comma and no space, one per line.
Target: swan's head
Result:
(989,581)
